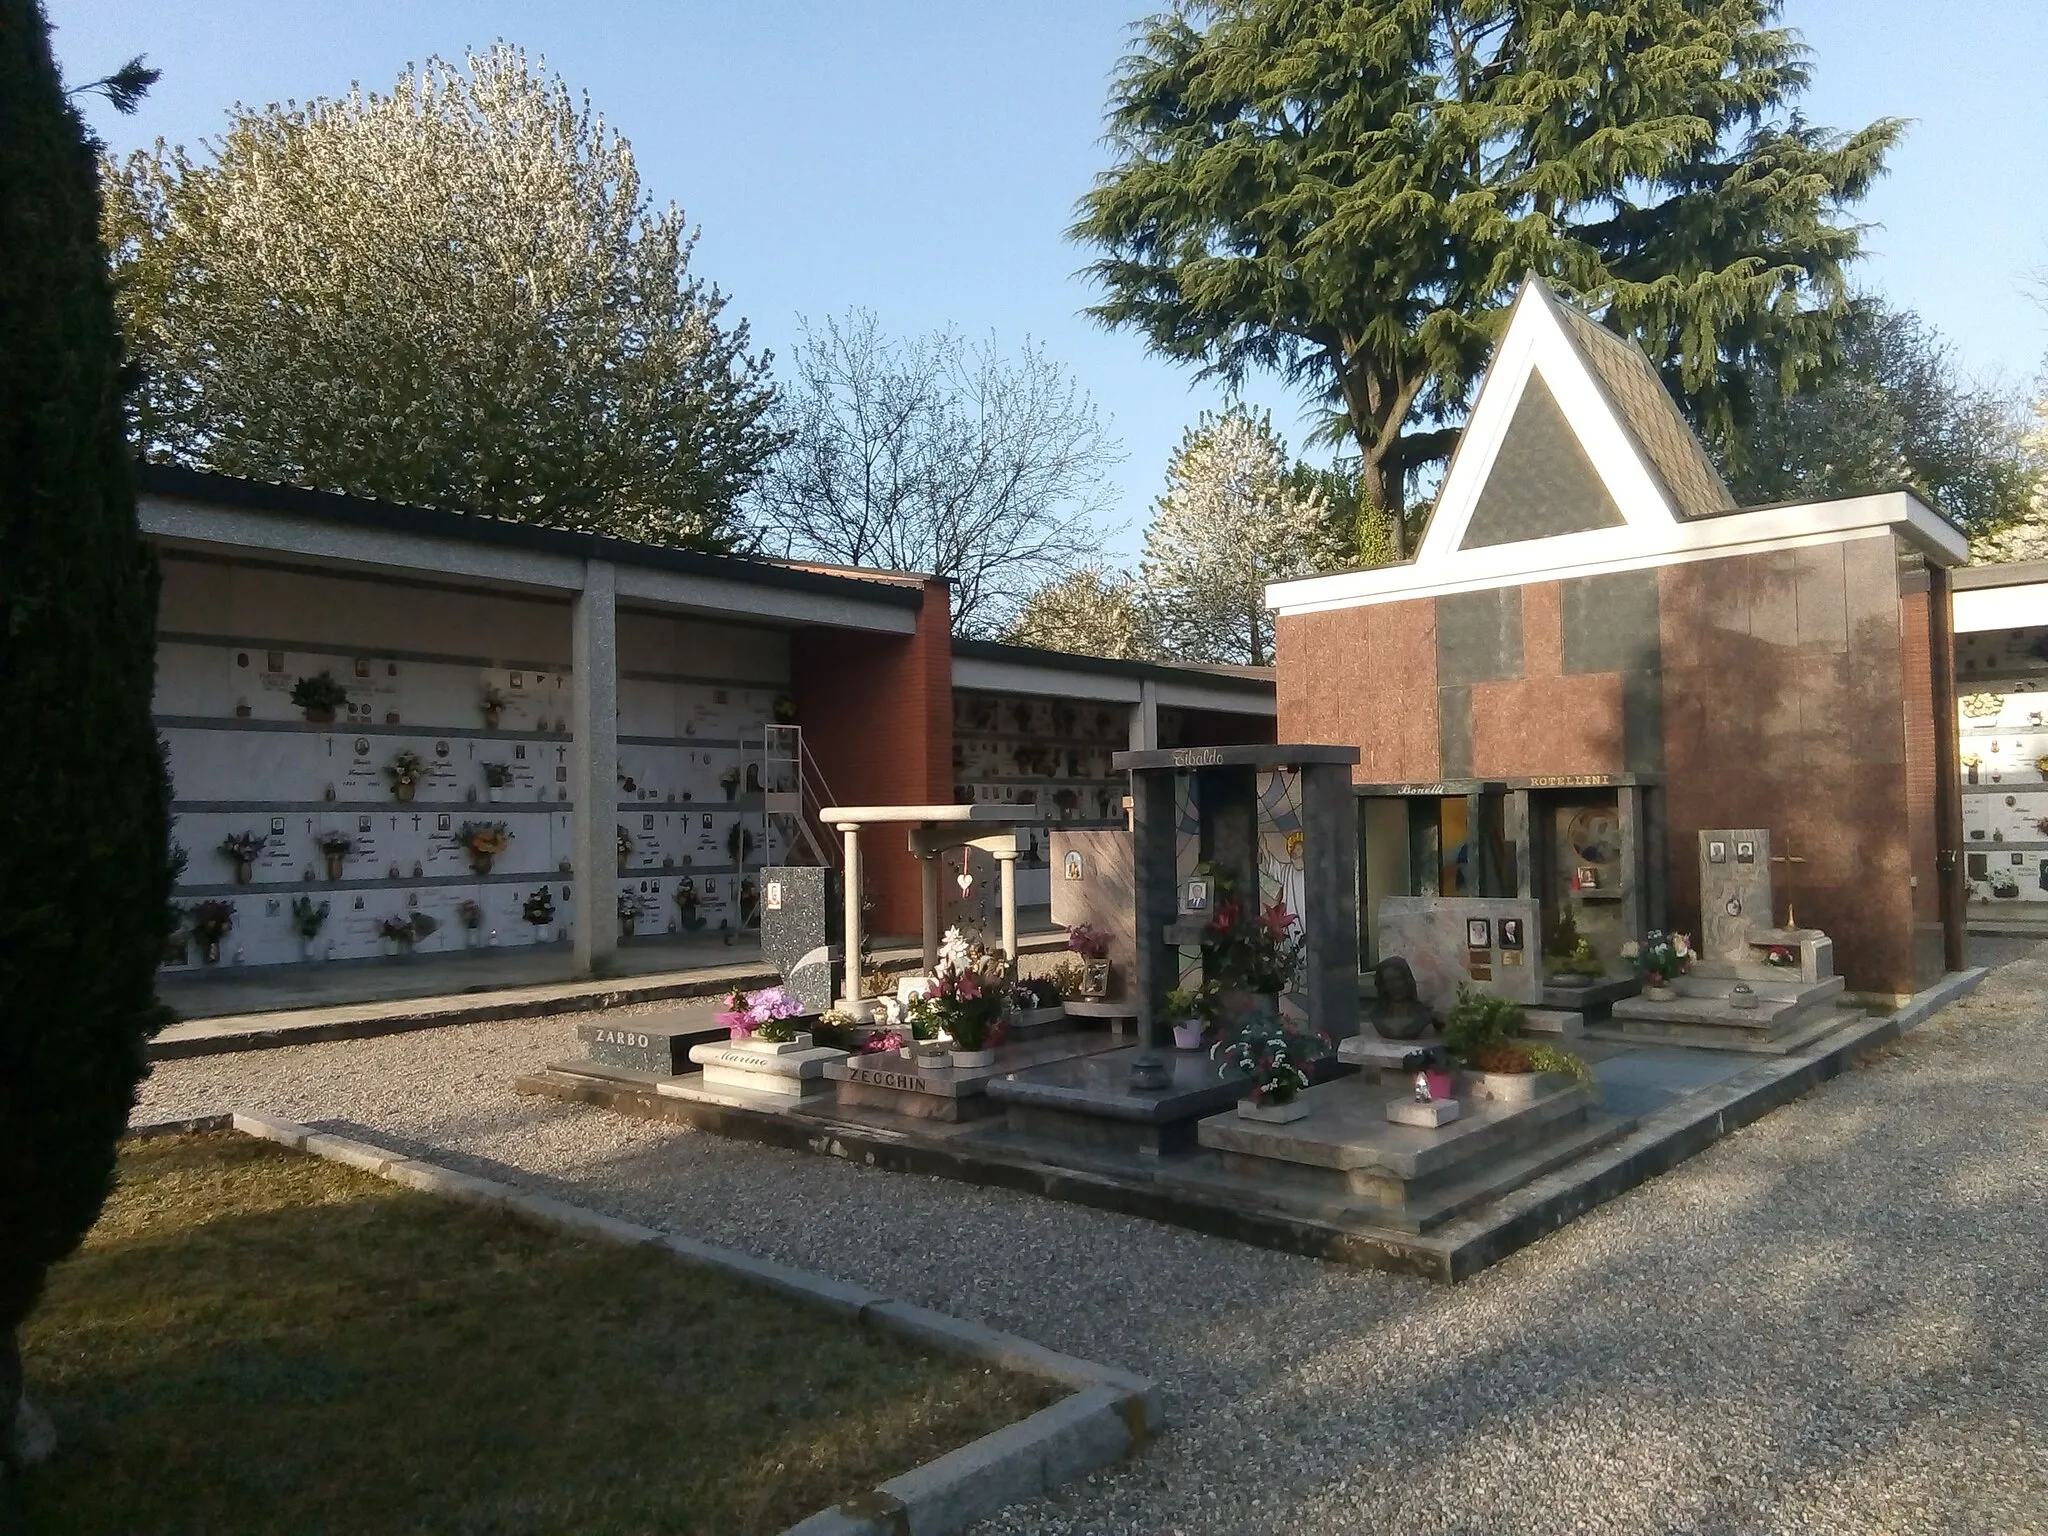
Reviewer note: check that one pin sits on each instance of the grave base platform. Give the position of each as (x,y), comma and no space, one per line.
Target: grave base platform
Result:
(659,1044)
(786,1073)
(917,1090)
(1346,1154)
(1787,1016)
(1088,1101)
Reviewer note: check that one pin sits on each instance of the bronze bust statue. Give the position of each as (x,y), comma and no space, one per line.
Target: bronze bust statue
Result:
(1399,1013)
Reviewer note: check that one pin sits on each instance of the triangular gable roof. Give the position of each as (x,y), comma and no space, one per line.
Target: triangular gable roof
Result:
(1572,431)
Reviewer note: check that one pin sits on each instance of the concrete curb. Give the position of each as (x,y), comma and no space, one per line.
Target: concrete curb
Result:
(482,1009)
(1109,1414)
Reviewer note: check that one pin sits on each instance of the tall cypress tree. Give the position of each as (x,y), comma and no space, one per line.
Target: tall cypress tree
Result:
(1348,192)
(83,825)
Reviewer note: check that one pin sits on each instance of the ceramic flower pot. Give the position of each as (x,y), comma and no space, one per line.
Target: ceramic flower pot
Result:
(982,1058)
(244,871)
(320,714)
(490,719)
(1272,1114)
(494,794)
(627,924)
(402,792)
(1659,993)
(1187,1034)
(334,863)
(480,863)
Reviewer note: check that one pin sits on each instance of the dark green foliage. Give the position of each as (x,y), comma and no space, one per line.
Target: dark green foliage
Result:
(83,826)
(1479,1021)
(1893,409)
(1348,191)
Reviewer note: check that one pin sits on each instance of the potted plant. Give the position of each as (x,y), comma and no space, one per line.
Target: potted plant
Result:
(1482,1035)
(687,900)
(784,709)
(1568,958)
(2004,884)
(625,844)
(319,697)
(335,847)
(308,918)
(241,849)
(629,914)
(404,771)
(492,703)
(1092,945)
(396,935)
(1274,1058)
(729,781)
(210,922)
(539,910)
(765,1020)
(1252,956)
(470,914)
(1657,960)
(1036,1001)
(739,842)
(1190,1011)
(483,841)
(963,996)
(497,779)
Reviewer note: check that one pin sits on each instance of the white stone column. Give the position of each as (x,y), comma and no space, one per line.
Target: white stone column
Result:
(856,1005)
(594,767)
(1006,862)
(928,873)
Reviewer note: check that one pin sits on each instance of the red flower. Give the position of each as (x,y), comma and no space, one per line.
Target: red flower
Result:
(1278,920)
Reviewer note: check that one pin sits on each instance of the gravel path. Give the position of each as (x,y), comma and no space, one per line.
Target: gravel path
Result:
(1835,1320)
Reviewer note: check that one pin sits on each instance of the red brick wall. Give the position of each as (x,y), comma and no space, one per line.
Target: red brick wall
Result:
(877,713)
(1364,677)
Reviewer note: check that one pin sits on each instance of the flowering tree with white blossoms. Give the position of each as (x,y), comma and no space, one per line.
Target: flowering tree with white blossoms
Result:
(1231,521)
(456,294)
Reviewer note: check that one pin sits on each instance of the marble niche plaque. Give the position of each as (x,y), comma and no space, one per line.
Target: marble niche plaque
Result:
(1492,942)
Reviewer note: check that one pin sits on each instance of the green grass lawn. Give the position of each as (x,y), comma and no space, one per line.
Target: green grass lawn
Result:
(256,1340)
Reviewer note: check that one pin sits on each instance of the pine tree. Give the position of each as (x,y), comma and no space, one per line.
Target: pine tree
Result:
(83,857)
(1348,191)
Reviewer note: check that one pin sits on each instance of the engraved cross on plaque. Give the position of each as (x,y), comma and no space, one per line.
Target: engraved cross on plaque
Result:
(1788,858)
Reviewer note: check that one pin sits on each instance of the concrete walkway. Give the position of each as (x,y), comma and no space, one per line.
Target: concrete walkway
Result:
(257,1008)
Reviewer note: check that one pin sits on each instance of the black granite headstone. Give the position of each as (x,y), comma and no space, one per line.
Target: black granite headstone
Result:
(802,912)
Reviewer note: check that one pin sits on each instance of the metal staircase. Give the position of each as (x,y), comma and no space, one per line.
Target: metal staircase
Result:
(793,791)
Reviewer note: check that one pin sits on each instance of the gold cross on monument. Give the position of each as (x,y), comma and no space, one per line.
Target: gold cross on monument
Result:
(1788,858)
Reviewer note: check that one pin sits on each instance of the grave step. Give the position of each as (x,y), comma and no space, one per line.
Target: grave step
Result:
(1796,1036)
(1567,1023)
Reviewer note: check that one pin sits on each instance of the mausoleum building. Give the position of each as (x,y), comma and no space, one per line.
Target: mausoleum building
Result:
(1595,655)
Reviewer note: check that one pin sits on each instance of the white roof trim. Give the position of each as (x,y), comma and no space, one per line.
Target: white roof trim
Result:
(1600,551)
(2018,607)
(1536,342)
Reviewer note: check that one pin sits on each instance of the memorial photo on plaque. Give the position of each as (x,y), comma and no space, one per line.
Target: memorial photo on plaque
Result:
(1745,852)
(1194,899)
(1717,851)
(1073,864)
(1511,933)
(1478,933)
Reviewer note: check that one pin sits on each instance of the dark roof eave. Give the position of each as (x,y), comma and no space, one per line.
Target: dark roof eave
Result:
(1167,672)
(474,528)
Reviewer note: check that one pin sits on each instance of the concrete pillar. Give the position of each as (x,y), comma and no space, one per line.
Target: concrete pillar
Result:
(1006,862)
(855,1003)
(928,881)
(594,767)
(1145,718)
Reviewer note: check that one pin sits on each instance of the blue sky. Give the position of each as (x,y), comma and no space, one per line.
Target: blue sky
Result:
(922,160)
